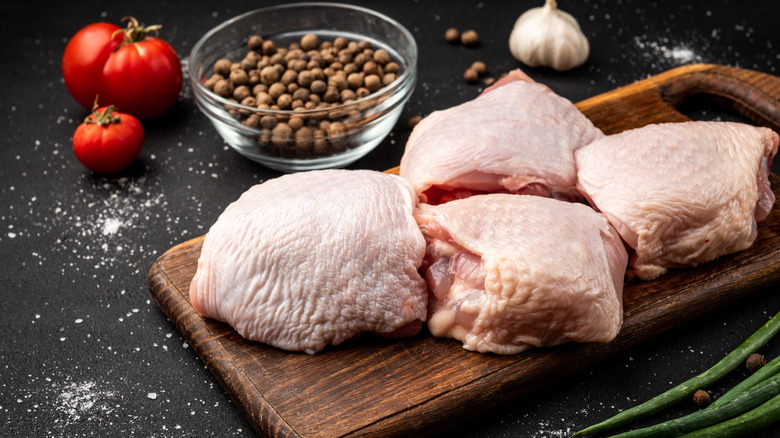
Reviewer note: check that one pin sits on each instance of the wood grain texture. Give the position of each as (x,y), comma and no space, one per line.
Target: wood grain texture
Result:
(374,387)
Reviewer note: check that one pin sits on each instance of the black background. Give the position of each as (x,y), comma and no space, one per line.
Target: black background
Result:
(85,351)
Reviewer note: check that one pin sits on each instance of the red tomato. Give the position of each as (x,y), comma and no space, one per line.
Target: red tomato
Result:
(137,73)
(108,141)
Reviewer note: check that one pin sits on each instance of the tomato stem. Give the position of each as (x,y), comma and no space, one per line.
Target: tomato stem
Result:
(134,32)
(108,117)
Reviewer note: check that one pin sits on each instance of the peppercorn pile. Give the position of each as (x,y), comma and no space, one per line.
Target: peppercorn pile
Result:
(316,84)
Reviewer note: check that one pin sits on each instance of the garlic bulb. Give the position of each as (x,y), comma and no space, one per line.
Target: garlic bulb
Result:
(547,36)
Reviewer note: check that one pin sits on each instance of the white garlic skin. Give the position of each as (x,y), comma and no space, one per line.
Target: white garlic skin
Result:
(547,36)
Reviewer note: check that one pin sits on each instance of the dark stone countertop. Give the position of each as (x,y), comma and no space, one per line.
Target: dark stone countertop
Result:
(85,350)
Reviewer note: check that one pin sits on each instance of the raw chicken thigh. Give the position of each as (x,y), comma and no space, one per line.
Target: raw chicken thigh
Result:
(315,258)
(508,272)
(517,137)
(681,194)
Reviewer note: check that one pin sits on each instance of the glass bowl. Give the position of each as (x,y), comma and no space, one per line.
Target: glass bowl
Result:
(337,134)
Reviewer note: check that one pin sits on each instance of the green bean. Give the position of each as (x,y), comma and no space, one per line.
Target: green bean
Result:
(742,403)
(763,373)
(746,424)
(687,388)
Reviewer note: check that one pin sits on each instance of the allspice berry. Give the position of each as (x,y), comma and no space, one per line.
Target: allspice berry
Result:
(701,398)
(309,42)
(242,92)
(340,43)
(295,123)
(276,89)
(318,86)
(469,38)
(373,82)
(269,48)
(239,77)
(268,122)
(388,79)
(269,75)
(255,42)
(223,88)
(284,101)
(754,362)
(414,120)
(253,121)
(331,95)
(281,134)
(305,78)
(209,83)
(381,56)
(304,139)
(452,35)
(355,80)
(222,67)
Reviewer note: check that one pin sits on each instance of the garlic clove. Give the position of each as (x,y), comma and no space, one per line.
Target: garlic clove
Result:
(547,36)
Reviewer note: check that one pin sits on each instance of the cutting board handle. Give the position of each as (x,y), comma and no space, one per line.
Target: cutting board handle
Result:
(754,95)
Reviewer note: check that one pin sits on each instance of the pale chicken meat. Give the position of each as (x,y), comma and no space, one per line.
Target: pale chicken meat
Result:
(681,194)
(313,259)
(510,272)
(517,137)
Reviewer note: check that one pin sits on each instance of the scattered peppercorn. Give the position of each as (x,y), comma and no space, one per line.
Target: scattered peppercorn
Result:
(489,81)
(469,38)
(307,74)
(479,67)
(701,398)
(470,75)
(754,362)
(452,35)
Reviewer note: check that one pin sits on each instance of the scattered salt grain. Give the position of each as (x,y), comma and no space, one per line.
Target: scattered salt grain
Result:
(111,226)
(666,52)
(78,400)
(151,396)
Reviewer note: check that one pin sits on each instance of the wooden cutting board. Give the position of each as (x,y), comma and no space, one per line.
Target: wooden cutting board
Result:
(374,387)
